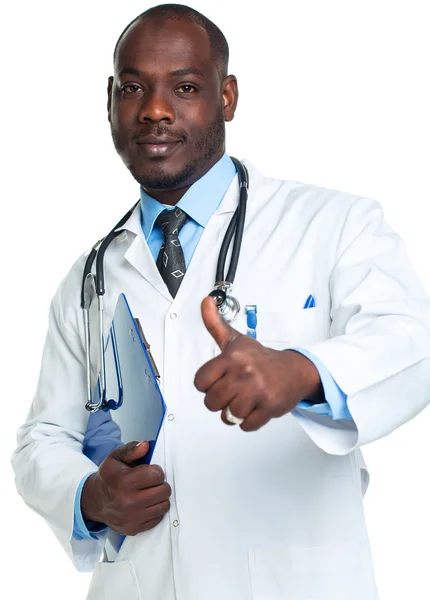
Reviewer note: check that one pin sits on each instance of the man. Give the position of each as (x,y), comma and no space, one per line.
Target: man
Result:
(341,358)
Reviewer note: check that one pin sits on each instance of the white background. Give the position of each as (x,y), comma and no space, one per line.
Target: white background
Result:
(331,93)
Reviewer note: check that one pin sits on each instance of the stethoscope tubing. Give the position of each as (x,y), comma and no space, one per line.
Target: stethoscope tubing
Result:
(235,228)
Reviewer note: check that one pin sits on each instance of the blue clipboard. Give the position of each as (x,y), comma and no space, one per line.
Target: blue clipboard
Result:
(135,406)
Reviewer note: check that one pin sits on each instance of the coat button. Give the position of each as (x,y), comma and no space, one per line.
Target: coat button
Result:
(170,417)
(175,523)
(173,316)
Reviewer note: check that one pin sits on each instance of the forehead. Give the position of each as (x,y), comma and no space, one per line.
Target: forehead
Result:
(162,46)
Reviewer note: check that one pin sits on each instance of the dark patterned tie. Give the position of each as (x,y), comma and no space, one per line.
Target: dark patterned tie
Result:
(170,261)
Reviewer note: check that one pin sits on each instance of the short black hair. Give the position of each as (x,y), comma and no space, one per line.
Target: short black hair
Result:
(217,41)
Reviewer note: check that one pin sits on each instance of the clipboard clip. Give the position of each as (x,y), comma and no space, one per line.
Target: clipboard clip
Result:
(148,349)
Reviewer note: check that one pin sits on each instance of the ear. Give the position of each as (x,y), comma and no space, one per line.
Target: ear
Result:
(230,94)
(109,102)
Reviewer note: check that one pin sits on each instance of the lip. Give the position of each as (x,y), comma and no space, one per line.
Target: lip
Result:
(152,146)
(156,139)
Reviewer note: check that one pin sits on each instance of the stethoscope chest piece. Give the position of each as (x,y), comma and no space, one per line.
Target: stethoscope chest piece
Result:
(228,306)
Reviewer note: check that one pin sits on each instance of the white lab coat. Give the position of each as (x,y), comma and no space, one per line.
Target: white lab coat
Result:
(268,515)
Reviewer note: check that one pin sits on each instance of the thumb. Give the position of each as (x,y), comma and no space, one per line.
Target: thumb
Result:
(131,452)
(221,331)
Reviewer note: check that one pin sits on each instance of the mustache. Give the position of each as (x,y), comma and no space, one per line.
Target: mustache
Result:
(160,131)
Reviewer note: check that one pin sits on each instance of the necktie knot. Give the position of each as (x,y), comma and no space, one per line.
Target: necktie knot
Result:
(172,221)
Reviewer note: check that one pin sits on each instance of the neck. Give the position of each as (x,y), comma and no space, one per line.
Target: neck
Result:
(168,197)
(172,197)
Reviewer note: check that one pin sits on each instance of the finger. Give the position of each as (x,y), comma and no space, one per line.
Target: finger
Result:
(130,453)
(151,524)
(255,420)
(152,496)
(221,331)
(210,373)
(145,476)
(157,510)
(220,394)
(241,406)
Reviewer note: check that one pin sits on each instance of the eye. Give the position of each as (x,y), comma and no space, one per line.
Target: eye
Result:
(131,88)
(187,88)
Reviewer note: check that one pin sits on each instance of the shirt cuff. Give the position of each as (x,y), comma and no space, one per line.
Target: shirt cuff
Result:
(335,405)
(84,530)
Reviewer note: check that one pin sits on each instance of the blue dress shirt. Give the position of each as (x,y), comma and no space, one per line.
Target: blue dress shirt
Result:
(212,188)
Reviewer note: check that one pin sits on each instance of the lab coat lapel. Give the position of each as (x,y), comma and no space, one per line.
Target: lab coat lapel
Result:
(140,257)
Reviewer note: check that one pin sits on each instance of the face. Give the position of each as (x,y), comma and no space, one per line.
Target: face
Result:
(167,104)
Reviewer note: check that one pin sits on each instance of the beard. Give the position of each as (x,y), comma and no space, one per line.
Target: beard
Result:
(203,149)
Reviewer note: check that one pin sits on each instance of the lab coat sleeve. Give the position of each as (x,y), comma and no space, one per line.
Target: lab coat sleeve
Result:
(379,345)
(48,461)
(335,405)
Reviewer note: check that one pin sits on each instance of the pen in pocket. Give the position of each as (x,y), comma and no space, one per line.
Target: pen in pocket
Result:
(310,302)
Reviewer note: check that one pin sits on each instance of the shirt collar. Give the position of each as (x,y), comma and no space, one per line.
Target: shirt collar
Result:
(199,202)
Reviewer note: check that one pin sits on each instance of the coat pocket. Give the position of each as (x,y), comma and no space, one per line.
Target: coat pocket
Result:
(329,572)
(114,580)
(283,329)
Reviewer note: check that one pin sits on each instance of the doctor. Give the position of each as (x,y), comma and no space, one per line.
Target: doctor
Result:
(222,512)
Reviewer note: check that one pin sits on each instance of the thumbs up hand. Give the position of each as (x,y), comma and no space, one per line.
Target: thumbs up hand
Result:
(256,383)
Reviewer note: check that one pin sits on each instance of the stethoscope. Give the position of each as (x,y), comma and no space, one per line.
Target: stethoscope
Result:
(93,285)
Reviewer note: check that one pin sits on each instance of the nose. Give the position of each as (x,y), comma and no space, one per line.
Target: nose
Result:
(156,107)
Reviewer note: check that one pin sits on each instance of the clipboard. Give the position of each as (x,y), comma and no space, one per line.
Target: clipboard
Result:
(135,407)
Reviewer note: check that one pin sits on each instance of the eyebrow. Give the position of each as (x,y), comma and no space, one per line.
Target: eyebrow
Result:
(175,73)
(187,71)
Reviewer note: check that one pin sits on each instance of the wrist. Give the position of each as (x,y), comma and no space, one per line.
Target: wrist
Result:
(90,503)
(309,382)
